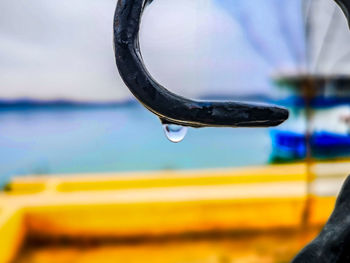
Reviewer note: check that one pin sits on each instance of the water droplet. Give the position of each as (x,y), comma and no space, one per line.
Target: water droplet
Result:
(175,133)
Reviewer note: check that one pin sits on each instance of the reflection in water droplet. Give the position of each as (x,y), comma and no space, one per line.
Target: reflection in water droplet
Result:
(174,132)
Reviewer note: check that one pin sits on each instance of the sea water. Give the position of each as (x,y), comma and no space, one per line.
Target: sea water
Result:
(68,140)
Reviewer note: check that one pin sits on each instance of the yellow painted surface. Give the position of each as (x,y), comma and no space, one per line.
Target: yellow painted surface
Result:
(159,218)
(12,232)
(321,209)
(99,182)
(165,203)
(261,248)
(25,187)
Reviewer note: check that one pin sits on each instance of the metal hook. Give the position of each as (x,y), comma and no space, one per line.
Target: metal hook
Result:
(169,107)
(345,6)
(332,245)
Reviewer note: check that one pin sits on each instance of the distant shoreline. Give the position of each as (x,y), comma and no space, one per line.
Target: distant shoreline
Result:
(292,100)
(33,104)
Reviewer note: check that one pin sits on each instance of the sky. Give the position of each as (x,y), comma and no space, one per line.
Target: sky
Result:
(62,49)
(329,49)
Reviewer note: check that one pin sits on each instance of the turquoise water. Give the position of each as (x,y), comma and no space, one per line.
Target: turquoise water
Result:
(51,140)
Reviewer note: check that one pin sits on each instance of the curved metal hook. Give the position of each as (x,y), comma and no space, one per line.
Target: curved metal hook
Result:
(345,6)
(169,107)
(332,245)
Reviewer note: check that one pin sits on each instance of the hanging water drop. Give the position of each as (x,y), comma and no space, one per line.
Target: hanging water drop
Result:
(175,133)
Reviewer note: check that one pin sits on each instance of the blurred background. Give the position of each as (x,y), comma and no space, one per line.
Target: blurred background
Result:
(78,151)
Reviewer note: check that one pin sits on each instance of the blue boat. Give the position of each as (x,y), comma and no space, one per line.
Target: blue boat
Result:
(319,118)
(291,146)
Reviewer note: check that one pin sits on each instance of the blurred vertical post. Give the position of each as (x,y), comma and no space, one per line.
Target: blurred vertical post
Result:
(308,89)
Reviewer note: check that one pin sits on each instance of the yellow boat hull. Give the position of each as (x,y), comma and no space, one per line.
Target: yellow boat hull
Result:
(134,205)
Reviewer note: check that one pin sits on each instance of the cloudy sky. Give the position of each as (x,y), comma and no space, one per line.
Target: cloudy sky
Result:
(53,49)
